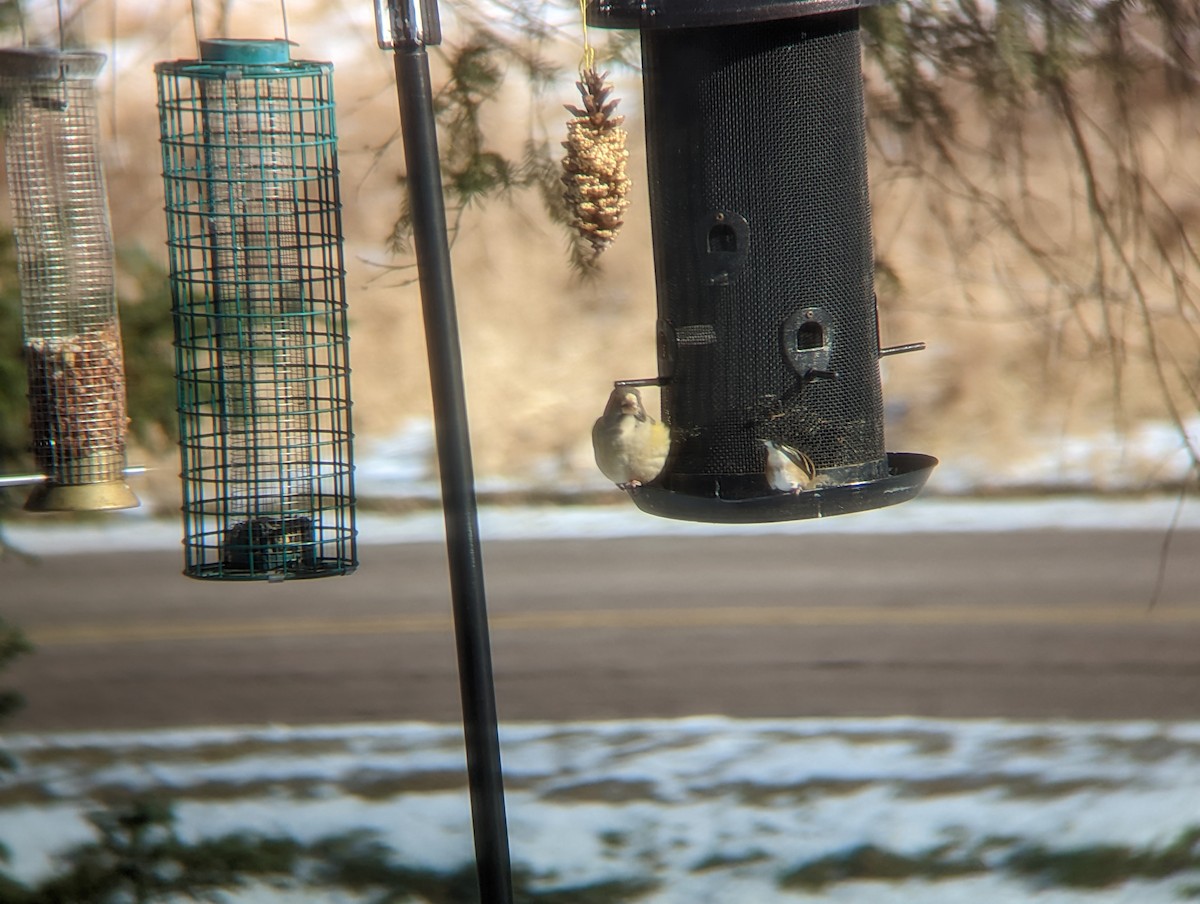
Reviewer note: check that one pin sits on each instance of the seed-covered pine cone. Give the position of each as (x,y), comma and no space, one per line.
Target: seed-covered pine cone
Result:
(597,189)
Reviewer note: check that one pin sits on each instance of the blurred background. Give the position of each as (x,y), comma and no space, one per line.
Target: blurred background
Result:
(939,702)
(1035,223)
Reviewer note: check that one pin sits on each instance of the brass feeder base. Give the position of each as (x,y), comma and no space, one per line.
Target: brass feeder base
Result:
(82,497)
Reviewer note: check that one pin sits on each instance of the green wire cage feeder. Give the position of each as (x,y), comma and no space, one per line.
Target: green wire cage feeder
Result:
(258,295)
(70,331)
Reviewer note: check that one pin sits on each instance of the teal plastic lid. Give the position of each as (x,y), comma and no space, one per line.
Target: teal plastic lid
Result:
(246,52)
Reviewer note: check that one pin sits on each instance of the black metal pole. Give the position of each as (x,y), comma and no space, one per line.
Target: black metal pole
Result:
(454,458)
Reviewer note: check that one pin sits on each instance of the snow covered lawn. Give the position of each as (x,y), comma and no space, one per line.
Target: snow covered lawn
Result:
(679,811)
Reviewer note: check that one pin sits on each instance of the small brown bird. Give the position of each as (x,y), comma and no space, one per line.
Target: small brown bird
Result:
(788,469)
(631,447)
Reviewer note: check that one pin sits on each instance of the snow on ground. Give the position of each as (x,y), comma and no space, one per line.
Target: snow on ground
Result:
(135,530)
(706,809)
(1146,455)
(702,809)
(402,467)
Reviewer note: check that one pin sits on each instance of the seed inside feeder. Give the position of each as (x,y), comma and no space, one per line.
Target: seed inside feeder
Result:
(77,404)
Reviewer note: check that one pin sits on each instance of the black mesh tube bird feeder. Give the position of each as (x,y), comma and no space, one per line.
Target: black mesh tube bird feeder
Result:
(767,323)
(72,339)
(259,304)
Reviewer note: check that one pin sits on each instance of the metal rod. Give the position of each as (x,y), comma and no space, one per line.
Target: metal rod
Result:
(902,349)
(644,381)
(458,487)
(28,480)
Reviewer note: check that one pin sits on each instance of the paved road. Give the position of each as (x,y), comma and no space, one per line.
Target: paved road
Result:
(1022,625)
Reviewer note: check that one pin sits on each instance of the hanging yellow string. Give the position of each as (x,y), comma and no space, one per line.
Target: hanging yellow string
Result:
(21,23)
(588,61)
(195,23)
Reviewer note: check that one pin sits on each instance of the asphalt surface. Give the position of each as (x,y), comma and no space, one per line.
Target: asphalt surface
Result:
(1030,625)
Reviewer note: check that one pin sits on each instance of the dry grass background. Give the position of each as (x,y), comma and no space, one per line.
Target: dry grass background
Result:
(1010,368)
(1018,361)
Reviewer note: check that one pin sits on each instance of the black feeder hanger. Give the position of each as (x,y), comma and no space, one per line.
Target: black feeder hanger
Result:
(767,322)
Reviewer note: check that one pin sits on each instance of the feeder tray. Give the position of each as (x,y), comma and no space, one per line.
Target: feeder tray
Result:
(259,302)
(907,473)
(72,340)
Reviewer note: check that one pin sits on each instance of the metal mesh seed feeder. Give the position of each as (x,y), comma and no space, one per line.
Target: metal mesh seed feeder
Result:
(70,331)
(767,323)
(259,302)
